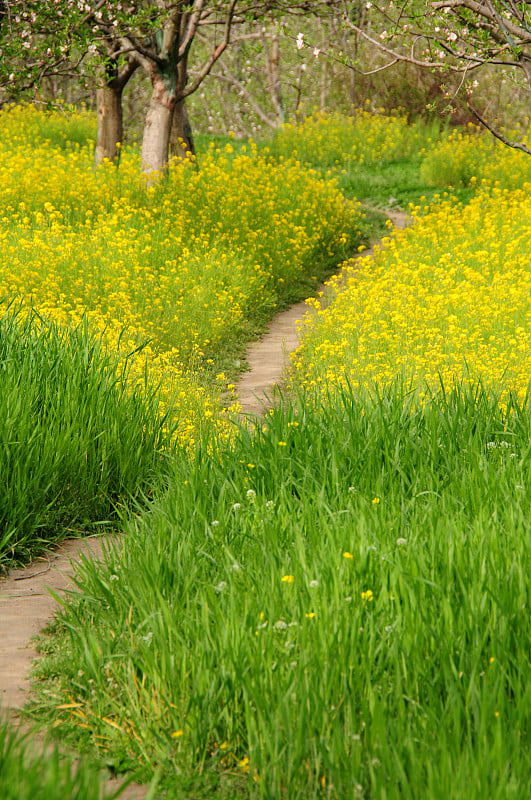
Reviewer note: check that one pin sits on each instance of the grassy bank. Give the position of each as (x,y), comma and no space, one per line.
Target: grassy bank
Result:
(78,440)
(333,607)
(27,773)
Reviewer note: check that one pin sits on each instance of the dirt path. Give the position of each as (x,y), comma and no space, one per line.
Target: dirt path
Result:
(268,358)
(26,605)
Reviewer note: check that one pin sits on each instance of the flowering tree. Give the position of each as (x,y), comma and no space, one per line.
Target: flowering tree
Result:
(457,36)
(110,39)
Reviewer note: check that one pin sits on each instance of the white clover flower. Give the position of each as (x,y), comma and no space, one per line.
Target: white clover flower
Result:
(221,586)
(214,523)
(280,625)
(236,506)
(401,541)
(314,584)
(251,493)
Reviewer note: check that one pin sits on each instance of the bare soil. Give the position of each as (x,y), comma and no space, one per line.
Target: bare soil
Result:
(26,607)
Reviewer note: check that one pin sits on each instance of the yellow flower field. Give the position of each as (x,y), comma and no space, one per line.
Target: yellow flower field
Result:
(470,156)
(190,267)
(449,297)
(333,139)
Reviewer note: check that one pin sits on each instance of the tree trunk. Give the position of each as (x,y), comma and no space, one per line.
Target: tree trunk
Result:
(157,128)
(273,78)
(181,137)
(110,123)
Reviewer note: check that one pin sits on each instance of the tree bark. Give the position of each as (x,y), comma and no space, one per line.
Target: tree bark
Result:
(110,111)
(167,118)
(272,59)
(181,136)
(157,128)
(110,123)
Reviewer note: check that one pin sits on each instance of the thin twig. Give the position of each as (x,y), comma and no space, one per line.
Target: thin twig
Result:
(516,145)
(34,574)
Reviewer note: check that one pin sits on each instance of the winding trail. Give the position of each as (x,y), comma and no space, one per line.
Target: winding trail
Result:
(268,358)
(26,604)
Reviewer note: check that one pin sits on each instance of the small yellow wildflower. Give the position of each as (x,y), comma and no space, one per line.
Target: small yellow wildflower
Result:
(287,579)
(346,554)
(310,614)
(368,595)
(177,734)
(282,444)
(375,501)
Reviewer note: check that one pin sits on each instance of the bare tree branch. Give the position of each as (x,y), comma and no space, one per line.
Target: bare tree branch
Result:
(214,56)
(497,134)
(227,77)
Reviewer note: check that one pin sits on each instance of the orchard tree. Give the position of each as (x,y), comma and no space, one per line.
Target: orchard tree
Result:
(453,36)
(113,38)
(64,38)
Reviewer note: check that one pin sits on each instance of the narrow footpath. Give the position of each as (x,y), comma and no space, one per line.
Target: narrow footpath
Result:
(26,605)
(268,358)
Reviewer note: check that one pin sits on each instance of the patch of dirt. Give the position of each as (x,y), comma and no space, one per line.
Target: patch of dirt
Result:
(26,606)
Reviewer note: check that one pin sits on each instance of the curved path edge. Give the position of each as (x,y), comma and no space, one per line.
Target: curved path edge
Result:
(268,358)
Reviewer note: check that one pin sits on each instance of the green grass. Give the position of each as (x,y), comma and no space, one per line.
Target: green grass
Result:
(336,606)
(76,439)
(28,774)
(394,186)
(376,158)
